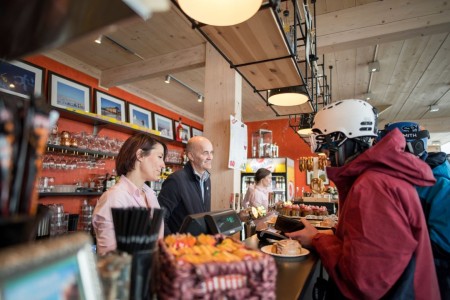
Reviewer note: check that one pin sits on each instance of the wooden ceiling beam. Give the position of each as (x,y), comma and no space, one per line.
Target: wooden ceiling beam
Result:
(380,22)
(173,62)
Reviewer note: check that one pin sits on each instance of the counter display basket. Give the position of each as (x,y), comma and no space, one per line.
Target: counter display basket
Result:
(253,278)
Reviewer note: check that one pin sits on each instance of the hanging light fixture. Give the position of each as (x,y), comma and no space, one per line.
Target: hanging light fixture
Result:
(288,96)
(167,80)
(200,98)
(305,126)
(220,12)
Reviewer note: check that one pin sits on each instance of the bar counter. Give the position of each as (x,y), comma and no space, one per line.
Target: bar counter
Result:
(295,275)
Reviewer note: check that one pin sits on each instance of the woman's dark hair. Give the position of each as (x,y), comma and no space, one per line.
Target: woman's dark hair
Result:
(261,174)
(126,158)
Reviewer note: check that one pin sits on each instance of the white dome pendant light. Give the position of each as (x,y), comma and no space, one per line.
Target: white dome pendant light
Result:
(220,12)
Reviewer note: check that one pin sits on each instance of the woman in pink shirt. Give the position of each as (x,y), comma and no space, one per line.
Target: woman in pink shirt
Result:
(140,159)
(258,194)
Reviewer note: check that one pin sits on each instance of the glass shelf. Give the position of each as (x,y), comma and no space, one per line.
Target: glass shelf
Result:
(55,194)
(99,123)
(78,151)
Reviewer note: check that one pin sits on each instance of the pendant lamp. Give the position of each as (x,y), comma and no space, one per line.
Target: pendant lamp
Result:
(288,96)
(305,126)
(220,12)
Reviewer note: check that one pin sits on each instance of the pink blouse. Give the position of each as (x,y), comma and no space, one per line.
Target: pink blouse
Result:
(257,196)
(122,194)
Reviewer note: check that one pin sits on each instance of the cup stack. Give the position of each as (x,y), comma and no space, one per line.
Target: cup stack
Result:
(85,220)
(59,220)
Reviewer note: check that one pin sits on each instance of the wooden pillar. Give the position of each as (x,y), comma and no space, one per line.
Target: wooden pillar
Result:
(223,97)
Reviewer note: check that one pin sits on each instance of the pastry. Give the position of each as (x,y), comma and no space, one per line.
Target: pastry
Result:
(287,247)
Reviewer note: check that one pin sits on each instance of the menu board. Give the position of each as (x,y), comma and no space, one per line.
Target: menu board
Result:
(238,144)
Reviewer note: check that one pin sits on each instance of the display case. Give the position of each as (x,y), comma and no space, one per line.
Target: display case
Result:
(283,177)
(262,143)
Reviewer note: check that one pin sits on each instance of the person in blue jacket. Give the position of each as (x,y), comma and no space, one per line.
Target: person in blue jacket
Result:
(435,199)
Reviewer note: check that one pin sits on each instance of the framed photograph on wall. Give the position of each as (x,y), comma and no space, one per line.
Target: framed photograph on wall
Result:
(196,132)
(322,175)
(66,93)
(164,125)
(109,106)
(139,116)
(21,78)
(186,134)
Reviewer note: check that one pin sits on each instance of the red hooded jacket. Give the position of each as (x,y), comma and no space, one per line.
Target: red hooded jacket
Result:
(381,235)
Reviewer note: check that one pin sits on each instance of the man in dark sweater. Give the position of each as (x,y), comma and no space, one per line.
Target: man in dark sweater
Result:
(188,191)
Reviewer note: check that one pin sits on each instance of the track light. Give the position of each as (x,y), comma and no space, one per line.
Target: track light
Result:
(98,40)
(434,108)
(374,67)
(200,97)
(368,96)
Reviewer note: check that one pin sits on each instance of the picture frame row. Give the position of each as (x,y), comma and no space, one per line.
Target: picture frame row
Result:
(22,79)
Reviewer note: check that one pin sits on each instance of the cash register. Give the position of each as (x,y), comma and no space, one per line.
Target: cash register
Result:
(225,222)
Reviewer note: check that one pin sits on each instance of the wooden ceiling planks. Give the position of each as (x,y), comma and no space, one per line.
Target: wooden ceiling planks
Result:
(257,39)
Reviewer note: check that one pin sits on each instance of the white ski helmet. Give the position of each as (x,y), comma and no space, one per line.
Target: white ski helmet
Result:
(353,118)
(345,129)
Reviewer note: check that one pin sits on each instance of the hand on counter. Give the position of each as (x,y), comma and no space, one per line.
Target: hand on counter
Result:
(305,235)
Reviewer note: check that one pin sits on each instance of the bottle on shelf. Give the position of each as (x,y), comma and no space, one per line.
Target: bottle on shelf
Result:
(113,178)
(106,183)
(179,131)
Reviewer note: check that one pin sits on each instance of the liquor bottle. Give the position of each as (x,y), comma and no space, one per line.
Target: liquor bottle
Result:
(113,178)
(179,131)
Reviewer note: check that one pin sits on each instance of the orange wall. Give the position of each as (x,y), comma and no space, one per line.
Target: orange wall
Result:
(290,145)
(73,204)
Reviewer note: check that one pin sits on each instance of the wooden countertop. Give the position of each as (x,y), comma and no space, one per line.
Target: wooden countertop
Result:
(294,274)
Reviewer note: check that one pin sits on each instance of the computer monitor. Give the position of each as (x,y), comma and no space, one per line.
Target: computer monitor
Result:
(57,268)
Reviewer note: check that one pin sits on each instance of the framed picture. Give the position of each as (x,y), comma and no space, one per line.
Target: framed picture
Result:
(322,175)
(21,78)
(196,132)
(139,116)
(164,125)
(186,134)
(66,93)
(109,106)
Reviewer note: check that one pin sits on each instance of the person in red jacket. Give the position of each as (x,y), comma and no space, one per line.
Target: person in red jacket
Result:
(381,246)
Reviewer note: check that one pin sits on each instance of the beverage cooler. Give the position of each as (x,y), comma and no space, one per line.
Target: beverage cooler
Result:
(283,177)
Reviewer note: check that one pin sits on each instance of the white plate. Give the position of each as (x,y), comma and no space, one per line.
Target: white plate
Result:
(268,250)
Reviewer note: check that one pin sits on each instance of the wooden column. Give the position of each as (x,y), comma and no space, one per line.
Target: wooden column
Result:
(223,97)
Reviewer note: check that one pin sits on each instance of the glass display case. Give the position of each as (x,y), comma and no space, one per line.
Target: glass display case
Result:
(262,143)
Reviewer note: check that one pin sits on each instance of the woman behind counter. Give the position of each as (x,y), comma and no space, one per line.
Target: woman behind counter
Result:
(258,194)
(140,159)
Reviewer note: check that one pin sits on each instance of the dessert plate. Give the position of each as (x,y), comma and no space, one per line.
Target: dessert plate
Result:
(268,250)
